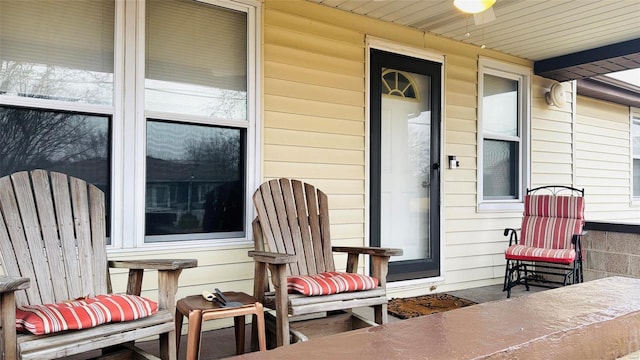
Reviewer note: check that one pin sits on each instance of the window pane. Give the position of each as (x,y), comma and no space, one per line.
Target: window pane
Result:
(71,143)
(196,59)
(500,106)
(636,177)
(500,170)
(635,128)
(195,181)
(60,50)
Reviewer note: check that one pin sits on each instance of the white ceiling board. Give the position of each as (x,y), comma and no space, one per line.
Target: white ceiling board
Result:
(530,29)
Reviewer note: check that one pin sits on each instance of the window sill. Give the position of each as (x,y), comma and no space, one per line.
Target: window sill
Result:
(501,206)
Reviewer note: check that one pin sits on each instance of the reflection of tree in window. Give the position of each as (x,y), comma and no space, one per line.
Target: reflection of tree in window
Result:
(46,139)
(74,144)
(55,82)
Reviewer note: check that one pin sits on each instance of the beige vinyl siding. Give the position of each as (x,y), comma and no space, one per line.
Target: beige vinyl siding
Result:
(603,160)
(552,137)
(314,110)
(314,128)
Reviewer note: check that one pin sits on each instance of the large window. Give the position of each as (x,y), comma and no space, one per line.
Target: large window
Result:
(635,148)
(153,101)
(504,90)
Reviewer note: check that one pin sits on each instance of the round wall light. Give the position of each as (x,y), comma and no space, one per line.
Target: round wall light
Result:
(556,95)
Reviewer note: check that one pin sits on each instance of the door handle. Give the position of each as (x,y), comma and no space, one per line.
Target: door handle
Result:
(435,166)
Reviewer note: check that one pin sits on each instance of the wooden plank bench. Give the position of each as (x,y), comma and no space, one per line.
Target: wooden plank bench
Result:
(596,319)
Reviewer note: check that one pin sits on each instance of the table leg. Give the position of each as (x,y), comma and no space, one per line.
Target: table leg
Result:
(193,335)
(239,327)
(178,323)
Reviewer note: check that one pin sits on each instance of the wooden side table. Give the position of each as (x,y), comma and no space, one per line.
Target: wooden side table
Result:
(198,310)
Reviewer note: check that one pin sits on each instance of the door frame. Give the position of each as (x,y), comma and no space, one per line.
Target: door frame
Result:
(423,54)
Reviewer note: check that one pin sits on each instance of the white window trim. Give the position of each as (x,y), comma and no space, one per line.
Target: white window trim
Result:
(128,145)
(633,113)
(523,75)
(131,138)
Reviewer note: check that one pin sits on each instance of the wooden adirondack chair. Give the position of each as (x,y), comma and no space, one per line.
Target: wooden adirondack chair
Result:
(293,217)
(52,241)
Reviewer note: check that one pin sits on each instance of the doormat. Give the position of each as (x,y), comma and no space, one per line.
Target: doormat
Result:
(405,308)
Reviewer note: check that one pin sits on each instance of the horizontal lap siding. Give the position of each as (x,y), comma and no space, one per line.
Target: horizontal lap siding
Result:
(551,137)
(314,114)
(603,162)
(314,128)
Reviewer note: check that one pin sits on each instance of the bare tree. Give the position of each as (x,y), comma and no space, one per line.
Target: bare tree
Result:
(32,138)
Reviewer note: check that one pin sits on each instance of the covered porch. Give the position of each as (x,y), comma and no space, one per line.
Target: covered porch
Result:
(299,104)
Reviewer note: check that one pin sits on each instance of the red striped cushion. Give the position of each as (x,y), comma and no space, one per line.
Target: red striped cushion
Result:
(330,283)
(554,206)
(550,233)
(82,314)
(528,253)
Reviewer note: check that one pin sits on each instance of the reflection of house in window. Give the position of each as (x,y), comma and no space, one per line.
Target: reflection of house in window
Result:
(158,197)
(203,190)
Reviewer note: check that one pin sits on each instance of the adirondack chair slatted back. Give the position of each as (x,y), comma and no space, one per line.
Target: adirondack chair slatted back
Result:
(297,223)
(52,230)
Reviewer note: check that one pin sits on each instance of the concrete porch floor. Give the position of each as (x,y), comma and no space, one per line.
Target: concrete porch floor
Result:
(219,344)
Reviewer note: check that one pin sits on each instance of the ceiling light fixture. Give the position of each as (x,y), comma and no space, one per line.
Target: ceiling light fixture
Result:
(473,6)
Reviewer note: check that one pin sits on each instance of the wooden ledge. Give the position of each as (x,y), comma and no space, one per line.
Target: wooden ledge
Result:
(597,319)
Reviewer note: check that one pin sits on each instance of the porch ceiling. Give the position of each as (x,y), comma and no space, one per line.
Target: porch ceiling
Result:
(531,29)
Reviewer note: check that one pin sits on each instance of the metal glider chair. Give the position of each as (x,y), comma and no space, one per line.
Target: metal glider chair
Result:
(549,252)
(293,219)
(53,247)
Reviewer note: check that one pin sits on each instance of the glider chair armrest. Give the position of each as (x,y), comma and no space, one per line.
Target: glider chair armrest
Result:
(512,234)
(168,273)
(8,287)
(576,240)
(379,260)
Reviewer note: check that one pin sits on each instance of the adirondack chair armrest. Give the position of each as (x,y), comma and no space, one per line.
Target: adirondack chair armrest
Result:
(366,250)
(168,273)
(12,283)
(272,258)
(154,264)
(512,234)
(379,259)
(8,287)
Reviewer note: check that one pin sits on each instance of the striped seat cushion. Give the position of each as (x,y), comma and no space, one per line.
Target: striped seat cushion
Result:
(330,283)
(82,314)
(529,253)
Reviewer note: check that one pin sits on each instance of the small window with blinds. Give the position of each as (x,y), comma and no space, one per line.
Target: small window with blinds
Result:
(196,60)
(57,50)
